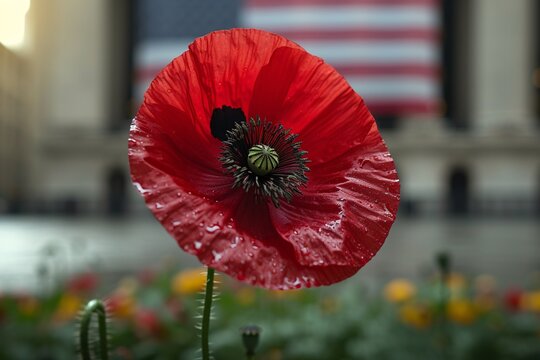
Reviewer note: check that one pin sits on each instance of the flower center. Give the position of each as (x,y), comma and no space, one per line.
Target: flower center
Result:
(264,160)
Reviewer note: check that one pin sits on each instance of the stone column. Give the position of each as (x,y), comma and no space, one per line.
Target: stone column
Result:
(70,57)
(502,53)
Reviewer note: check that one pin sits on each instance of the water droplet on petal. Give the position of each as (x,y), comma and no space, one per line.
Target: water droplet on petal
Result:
(212,229)
(217,256)
(197,245)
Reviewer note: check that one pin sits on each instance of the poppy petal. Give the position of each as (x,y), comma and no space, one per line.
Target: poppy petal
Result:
(175,145)
(303,93)
(347,209)
(218,70)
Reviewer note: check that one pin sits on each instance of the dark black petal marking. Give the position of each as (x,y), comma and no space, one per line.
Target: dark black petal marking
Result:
(225,119)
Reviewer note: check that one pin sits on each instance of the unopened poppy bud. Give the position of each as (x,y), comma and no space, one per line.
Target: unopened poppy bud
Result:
(262,159)
(443,261)
(250,337)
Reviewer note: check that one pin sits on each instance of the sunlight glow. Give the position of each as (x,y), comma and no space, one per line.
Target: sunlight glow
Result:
(12,22)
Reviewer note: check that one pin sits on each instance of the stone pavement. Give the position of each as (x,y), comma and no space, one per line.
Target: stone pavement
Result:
(509,249)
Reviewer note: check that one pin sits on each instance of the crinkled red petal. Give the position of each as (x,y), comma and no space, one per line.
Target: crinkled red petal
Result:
(347,209)
(307,95)
(174,163)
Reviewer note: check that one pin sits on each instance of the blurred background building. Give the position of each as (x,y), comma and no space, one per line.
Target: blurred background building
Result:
(453,84)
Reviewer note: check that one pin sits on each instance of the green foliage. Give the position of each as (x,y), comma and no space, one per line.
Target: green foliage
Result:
(154,317)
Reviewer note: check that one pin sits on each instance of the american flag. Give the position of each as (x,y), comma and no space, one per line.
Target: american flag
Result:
(389,50)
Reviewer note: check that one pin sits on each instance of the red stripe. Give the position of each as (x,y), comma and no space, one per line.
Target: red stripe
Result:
(403,107)
(362,34)
(273,3)
(430,71)
(148,72)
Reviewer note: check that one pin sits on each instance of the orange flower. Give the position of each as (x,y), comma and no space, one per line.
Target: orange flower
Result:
(399,290)
(121,305)
(461,311)
(417,315)
(531,301)
(68,307)
(189,281)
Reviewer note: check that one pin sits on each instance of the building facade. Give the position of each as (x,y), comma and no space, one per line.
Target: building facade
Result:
(14,129)
(480,154)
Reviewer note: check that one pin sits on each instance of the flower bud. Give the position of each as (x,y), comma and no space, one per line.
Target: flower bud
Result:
(250,337)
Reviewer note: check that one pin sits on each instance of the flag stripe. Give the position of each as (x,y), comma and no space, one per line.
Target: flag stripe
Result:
(388,50)
(393,87)
(418,70)
(405,106)
(340,17)
(385,52)
(356,33)
(330,3)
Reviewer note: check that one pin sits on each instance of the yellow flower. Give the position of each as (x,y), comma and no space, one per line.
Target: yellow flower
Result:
(456,283)
(416,315)
(245,296)
(461,311)
(531,301)
(399,290)
(68,307)
(189,281)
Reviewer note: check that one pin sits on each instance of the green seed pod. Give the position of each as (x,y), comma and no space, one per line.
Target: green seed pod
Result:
(262,159)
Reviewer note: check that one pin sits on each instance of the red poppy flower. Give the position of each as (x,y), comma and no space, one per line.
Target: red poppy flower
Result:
(220,150)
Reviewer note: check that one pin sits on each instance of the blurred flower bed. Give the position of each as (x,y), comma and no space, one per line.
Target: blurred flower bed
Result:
(153,315)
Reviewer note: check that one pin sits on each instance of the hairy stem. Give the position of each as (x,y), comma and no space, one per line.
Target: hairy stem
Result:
(97,307)
(206,313)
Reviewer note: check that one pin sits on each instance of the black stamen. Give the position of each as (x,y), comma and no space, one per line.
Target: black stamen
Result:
(224,120)
(285,180)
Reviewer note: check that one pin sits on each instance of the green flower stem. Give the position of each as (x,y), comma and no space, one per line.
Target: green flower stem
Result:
(209,293)
(443,262)
(97,307)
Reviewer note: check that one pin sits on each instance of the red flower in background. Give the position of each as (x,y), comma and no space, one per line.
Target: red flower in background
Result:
(83,283)
(220,147)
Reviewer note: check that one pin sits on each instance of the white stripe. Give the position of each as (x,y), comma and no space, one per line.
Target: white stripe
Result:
(395,87)
(379,52)
(160,51)
(338,17)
